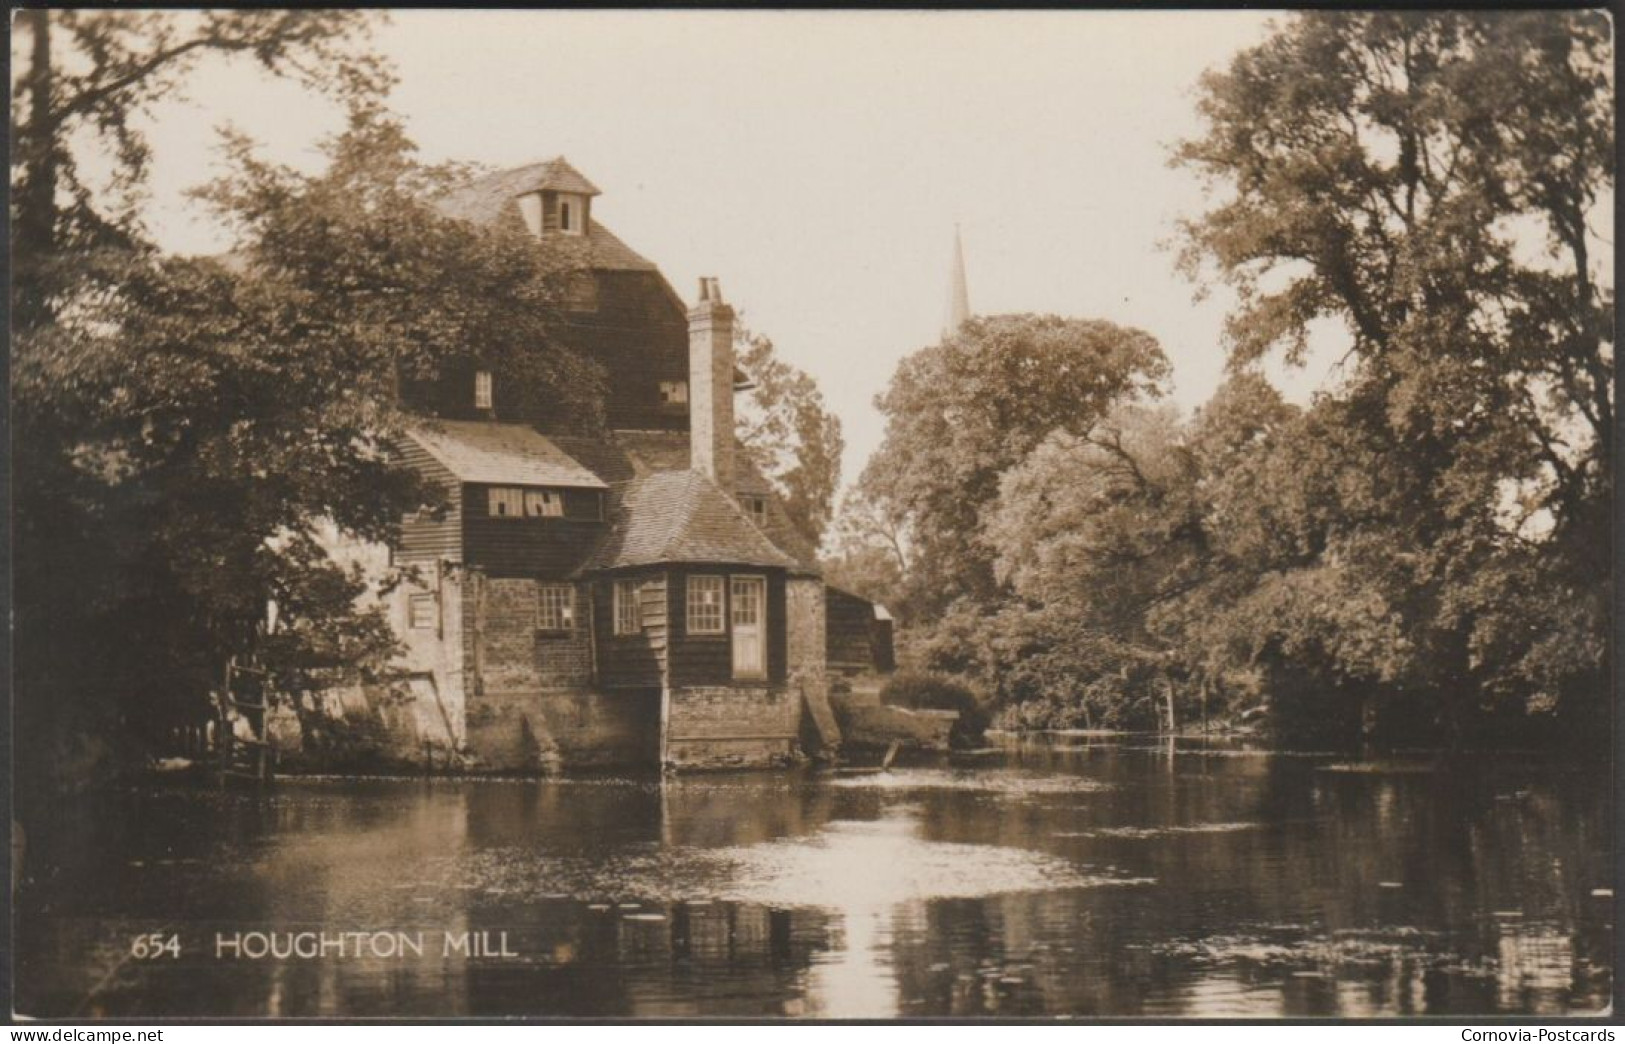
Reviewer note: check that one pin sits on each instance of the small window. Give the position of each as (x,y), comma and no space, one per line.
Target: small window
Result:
(506,501)
(544,503)
(674,392)
(556,607)
(705,605)
(628,607)
(420,612)
(571,212)
(482,389)
(754,506)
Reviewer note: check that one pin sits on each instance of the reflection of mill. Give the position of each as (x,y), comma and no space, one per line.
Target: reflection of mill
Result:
(848,976)
(640,897)
(856,982)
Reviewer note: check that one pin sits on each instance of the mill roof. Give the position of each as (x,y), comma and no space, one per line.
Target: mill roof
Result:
(671,517)
(628,455)
(501,454)
(493,199)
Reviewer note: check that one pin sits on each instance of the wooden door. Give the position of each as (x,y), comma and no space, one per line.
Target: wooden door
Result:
(748,599)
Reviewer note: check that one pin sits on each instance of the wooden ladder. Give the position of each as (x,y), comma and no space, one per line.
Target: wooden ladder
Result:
(242,757)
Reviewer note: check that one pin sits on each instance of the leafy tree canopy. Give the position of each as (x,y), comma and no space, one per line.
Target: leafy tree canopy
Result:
(1429,180)
(959,413)
(89,80)
(790,433)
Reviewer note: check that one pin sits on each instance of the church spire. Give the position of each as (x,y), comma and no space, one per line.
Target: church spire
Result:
(958,297)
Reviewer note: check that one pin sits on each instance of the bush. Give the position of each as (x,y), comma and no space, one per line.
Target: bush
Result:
(925,690)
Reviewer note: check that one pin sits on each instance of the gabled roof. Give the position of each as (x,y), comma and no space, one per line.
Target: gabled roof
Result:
(501,454)
(681,516)
(493,199)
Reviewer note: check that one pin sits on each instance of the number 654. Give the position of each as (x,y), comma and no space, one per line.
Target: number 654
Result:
(154,945)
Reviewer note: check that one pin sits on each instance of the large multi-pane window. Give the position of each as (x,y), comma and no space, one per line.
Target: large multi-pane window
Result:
(556,607)
(628,607)
(705,605)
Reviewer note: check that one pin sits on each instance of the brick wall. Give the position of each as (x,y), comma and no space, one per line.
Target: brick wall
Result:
(731,726)
(531,706)
(807,650)
(538,731)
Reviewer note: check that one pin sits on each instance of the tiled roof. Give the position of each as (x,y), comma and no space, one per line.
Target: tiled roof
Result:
(502,454)
(652,451)
(634,454)
(681,516)
(493,198)
(554,175)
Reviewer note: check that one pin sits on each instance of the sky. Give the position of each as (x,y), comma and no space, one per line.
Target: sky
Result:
(816,163)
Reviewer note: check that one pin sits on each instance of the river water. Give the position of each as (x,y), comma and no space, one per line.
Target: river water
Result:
(1058,876)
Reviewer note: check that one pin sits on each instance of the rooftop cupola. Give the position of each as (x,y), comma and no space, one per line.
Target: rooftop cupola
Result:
(555,199)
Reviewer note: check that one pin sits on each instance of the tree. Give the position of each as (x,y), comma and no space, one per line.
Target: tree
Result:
(1106,521)
(790,434)
(89,77)
(869,557)
(958,414)
(82,266)
(1427,181)
(1111,539)
(189,444)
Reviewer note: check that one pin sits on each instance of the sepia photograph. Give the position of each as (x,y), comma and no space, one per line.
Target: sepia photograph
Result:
(812,516)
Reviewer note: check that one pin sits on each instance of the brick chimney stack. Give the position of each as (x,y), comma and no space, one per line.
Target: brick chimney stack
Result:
(711,386)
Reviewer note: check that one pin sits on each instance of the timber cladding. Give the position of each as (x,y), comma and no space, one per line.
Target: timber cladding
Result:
(550,548)
(639,334)
(707,659)
(635,327)
(631,660)
(851,631)
(437,533)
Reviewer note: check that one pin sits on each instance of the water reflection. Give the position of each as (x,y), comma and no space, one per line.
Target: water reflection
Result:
(1084,877)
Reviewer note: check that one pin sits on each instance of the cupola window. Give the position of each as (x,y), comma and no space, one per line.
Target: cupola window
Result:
(572,214)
